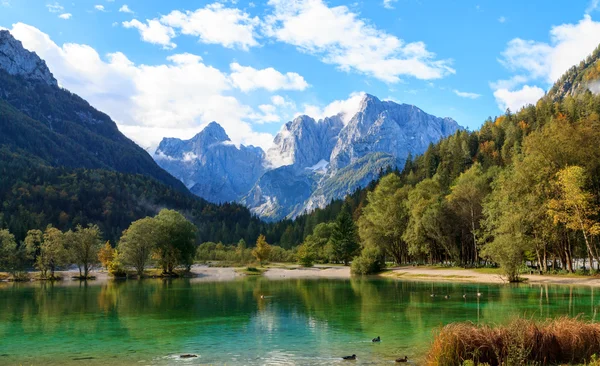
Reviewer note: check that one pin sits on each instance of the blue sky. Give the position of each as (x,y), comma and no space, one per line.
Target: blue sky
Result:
(167,68)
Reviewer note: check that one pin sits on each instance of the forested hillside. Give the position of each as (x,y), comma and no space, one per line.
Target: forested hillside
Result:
(526,185)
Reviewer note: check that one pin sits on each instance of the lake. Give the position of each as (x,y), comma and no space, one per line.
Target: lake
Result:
(296,322)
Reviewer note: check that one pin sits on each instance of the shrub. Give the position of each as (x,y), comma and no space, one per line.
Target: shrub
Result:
(368,262)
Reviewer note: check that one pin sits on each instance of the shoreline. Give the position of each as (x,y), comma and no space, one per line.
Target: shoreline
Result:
(203,273)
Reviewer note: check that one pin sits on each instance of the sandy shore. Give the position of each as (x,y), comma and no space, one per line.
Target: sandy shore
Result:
(408,273)
(466,275)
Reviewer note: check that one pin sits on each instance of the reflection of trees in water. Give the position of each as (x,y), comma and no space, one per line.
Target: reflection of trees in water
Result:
(166,312)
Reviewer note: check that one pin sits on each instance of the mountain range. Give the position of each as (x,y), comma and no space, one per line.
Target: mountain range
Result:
(64,163)
(310,162)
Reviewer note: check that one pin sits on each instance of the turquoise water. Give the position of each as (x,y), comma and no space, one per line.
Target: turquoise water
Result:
(297,322)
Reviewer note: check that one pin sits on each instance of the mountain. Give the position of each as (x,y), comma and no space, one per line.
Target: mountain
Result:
(311,161)
(328,159)
(59,127)
(304,142)
(210,165)
(578,79)
(64,163)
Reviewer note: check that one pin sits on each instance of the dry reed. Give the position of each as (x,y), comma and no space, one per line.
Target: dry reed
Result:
(520,342)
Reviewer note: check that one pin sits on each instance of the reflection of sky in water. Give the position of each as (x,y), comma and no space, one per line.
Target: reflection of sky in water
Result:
(298,322)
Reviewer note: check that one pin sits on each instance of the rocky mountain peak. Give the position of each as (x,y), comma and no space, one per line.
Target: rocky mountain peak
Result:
(16,60)
(211,134)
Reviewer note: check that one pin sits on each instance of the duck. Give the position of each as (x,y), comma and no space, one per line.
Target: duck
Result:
(464,296)
(405,359)
(479,294)
(447,297)
(348,358)
(378,339)
(188,355)
(432,295)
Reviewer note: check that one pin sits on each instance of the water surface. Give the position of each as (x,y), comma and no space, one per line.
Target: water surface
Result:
(295,322)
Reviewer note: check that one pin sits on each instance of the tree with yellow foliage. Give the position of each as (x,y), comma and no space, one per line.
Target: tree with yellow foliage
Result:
(106,255)
(262,252)
(574,207)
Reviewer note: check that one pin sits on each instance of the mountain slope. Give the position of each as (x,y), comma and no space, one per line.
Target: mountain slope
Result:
(64,163)
(58,126)
(579,78)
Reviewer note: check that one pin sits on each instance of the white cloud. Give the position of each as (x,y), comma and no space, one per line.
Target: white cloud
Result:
(389,4)
(534,61)
(339,37)
(153,32)
(248,78)
(125,9)
(55,7)
(216,24)
(99,7)
(280,101)
(569,44)
(65,16)
(502,19)
(346,107)
(177,98)
(517,99)
(594,4)
(466,94)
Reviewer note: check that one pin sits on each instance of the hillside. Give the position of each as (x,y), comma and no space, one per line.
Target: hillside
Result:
(578,79)
(49,122)
(64,163)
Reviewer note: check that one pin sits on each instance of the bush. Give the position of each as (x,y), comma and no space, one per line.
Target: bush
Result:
(306,255)
(368,262)
(521,342)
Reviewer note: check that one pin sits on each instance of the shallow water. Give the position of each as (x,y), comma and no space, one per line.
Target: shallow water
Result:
(297,322)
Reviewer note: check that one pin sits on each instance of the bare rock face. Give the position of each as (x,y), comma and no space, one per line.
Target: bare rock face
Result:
(317,161)
(210,165)
(310,163)
(304,142)
(388,127)
(16,60)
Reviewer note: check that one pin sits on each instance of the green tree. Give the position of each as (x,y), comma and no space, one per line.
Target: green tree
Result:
(508,250)
(53,253)
(369,261)
(262,251)
(384,220)
(83,245)
(307,252)
(12,257)
(428,232)
(33,244)
(344,238)
(574,207)
(176,237)
(466,199)
(137,243)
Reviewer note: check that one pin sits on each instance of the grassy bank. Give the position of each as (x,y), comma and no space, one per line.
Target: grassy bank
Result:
(521,342)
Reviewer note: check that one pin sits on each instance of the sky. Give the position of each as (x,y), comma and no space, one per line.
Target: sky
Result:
(168,68)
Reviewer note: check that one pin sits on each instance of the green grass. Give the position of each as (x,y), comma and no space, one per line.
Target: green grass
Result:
(251,271)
